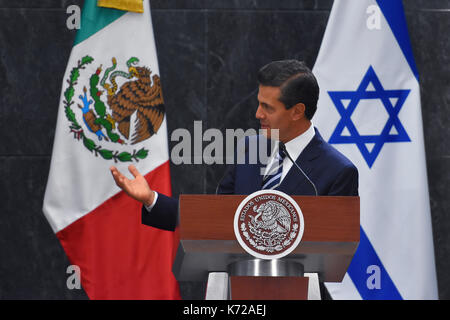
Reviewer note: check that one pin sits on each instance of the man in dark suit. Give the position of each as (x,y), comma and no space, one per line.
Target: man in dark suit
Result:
(288,94)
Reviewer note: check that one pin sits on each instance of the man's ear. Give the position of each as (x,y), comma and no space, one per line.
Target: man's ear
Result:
(298,111)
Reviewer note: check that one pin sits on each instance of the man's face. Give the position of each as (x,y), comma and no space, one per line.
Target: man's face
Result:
(272,113)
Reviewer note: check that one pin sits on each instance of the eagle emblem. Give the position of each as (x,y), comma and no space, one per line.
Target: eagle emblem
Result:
(115,108)
(268,224)
(271,221)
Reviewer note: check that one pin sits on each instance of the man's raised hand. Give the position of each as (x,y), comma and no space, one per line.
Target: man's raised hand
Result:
(136,188)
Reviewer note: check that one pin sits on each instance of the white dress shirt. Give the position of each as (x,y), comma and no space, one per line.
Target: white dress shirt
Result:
(150,207)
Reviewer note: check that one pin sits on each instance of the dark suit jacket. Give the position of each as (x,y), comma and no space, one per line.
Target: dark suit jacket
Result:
(332,173)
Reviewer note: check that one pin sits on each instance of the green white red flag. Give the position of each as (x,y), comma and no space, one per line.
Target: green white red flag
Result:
(111,113)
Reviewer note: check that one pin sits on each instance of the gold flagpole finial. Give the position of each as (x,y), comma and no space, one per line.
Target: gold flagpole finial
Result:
(126,5)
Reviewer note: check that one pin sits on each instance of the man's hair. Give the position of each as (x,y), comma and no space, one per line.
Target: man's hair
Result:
(296,81)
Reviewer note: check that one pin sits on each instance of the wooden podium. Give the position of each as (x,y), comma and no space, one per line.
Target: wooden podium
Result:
(208,245)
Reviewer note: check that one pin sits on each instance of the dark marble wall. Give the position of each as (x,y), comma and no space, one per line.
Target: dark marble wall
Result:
(209,52)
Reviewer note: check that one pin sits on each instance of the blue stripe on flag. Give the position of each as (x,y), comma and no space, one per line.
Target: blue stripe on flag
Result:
(364,270)
(395,16)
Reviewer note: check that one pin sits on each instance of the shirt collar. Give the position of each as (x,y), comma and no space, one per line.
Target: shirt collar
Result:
(295,146)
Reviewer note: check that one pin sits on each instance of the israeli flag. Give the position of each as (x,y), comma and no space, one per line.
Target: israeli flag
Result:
(369,109)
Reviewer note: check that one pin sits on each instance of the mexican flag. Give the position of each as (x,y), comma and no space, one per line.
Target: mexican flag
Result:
(111,112)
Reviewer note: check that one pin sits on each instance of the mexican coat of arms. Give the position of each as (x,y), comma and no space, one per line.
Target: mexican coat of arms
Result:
(268,224)
(103,113)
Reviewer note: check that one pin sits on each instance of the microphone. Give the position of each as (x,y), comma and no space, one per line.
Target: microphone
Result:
(282,149)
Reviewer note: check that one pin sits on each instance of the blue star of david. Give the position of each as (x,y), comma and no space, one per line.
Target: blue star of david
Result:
(360,94)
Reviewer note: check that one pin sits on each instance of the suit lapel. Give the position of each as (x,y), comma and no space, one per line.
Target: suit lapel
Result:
(251,179)
(255,178)
(295,182)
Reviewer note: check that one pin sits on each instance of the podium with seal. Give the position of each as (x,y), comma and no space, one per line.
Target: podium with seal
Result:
(267,245)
